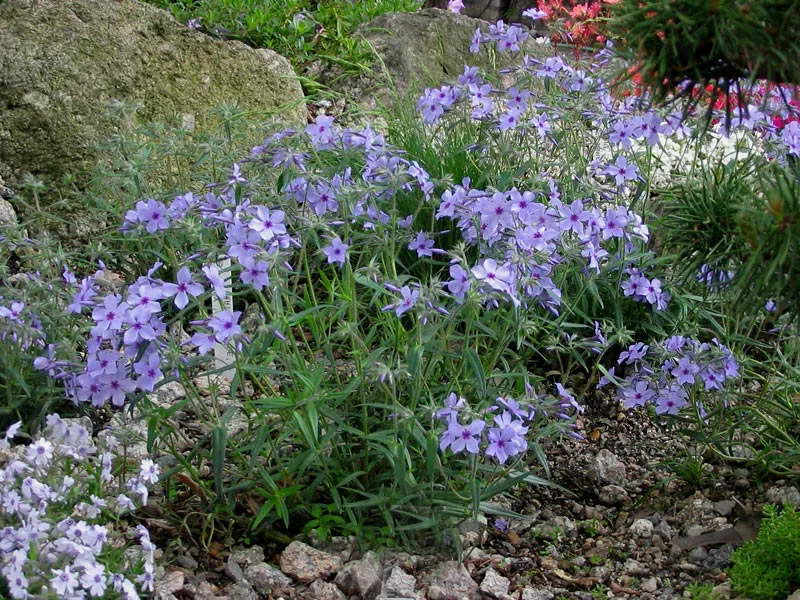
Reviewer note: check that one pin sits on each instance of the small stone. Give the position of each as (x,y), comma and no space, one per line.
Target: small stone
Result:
(267,580)
(794,596)
(606,468)
(452,581)
(169,583)
(649,585)
(536,594)
(784,495)
(613,495)
(8,217)
(724,590)
(241,591)
(322,590)
(245,557)
(233,570)
(187,562)
(634,567)
(494,584)
(168,394)
(641,528)
(399,584)
(724,507)
(361,577)
(305,564)
(695,530)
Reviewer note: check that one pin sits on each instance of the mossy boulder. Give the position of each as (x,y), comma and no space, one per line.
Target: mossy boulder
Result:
(63,62)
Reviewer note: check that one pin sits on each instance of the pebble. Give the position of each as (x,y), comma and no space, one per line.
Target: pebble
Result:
(724,507)
(606,467)
(641,528)
(650,584)
(494,584)
(612,495)
(536,594)
(698,555)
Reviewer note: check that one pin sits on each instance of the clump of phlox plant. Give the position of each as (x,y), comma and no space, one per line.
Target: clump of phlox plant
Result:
(61,535)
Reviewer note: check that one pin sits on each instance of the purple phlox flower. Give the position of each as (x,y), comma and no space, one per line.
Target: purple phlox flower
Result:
(322,132)
(477,40)
(685,371)
(498,277)
(579,82)
(593,251)
(638,226)
(186,286)
(770,306)
(567,399)
(254,273)
(149,371)
(503,443)
(573,216)
(215,279)
(336,251)
(509,38)
(13,313)
(712,378)
(637,394)
(534,13)
(622,133)
(671,400)
(118,386)
(149,472)
(181,205)
(109,316)
(322,198)
(622,171)
(675,343)
(455,5)
(508,120)
(649,126)
(551,67)
(225,325)
(459,284)
(242,242)
(541,122)
(495,211)
(634,352)
(408,299)
(204,342)
(268,224)
(139,326)
(422,245)
(434,102)
(512,406)
(517,100)
(470,76)
(541,239)
(83,297)
(153,214)
(146,297)
(194,24)
(462,437)
(452,405)
(608,378)
(635,285)
(64,582)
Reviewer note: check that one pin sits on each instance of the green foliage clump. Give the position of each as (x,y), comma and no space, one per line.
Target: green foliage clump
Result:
(709,42)
(768,568)
(301,30)
(741,217)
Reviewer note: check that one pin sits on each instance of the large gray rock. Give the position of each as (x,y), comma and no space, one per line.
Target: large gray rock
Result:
(62,62)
